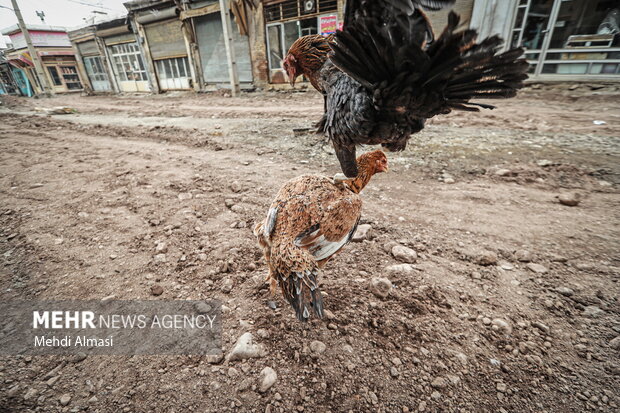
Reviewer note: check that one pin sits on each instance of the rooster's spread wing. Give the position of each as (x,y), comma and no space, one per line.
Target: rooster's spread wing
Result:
(384,80)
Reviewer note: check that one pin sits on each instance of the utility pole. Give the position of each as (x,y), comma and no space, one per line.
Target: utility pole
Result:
(33,53)
(230,48)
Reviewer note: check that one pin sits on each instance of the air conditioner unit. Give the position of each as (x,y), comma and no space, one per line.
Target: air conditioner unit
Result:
(309,6)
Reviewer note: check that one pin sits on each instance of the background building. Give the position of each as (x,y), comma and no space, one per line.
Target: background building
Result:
(179,45)
(54,49)
(7,81)
(564,40)
(111,57)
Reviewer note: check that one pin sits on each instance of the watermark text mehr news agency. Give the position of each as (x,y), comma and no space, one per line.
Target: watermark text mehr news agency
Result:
(88,320)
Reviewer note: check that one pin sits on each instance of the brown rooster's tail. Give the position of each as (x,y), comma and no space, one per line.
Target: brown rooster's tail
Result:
(301,290)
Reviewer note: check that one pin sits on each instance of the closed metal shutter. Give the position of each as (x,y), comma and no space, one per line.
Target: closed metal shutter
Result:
(121,38)
(88,48)
(213,51)
(166,39)
(439,19)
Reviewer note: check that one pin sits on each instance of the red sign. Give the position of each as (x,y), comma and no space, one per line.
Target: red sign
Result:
(328,25)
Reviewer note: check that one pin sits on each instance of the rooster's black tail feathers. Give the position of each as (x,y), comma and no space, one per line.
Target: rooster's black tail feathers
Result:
(390,57)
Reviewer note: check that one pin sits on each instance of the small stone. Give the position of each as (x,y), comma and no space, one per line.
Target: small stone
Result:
(569,198)
(523,256)
(65,399)
(565,291)
(542,327)
(486,258)
(592,311)
(422,406)
(93,400)
(435,395)
(449,180)
(245,348)
(31,393)
(267,379)
(537,268)
(80,356)
(486,321)
(501,387)
(404,254)
(160,258)
(380,287)
(506,266)
(502,325)
(157,289)
(362,233)
(615,343)
(235,187)
(504,172)
(439,383)
(161,247)
(232,372)
(215,358)
(13,391)
(394,372)
(227,285)
(52,381)
(400,269)
(317,347)
(544,163)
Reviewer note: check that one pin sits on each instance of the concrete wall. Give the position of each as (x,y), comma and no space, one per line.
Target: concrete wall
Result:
(492,17)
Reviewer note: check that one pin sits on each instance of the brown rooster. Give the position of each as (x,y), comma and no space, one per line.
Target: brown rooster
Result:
(311,219)
(384,74)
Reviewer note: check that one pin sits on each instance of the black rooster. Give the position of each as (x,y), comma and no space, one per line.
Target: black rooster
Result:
(385,74)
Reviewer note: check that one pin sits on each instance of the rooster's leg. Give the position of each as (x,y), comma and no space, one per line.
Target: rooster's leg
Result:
(346,157)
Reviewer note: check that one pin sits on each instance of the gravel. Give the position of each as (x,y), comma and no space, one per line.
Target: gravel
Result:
(245,348)
(569,199)
(404,254)
(380,287)
(362,233)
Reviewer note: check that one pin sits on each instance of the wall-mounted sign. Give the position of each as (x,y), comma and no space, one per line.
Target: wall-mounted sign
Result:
(328,25)
(41,38)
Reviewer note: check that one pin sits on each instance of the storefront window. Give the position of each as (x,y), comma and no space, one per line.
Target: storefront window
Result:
(531,23)
(586,23)
(289,20)
(584,36)
(128,62)
(54,75)
(274,37)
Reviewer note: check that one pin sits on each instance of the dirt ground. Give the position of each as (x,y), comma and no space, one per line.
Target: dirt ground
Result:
(511,306)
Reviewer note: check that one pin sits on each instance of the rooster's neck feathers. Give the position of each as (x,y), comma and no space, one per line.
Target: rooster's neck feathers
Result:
(310,52)
(366,168)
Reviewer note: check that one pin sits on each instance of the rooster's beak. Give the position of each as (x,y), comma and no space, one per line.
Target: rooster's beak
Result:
(291,80)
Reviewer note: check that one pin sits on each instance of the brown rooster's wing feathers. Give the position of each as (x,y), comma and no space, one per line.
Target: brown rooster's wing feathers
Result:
(340,223)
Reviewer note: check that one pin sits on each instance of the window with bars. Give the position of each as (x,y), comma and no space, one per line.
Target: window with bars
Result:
(95,69)
(172,68)
(295,9)
(128,62)
(173,73)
